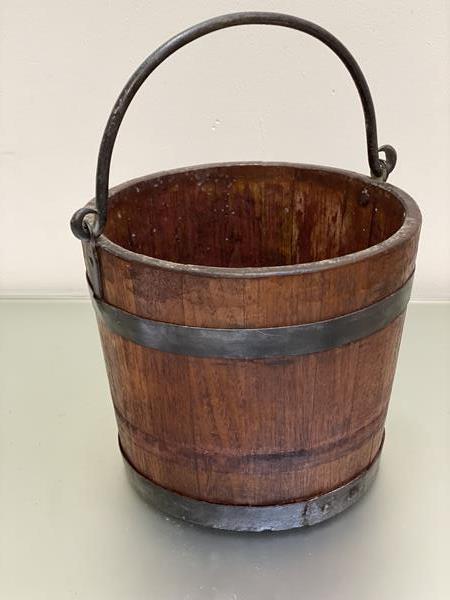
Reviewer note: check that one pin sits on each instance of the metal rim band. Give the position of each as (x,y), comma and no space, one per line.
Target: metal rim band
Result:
(255,343)
(254,518)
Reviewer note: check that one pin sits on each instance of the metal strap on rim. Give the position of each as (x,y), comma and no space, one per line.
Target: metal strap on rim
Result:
(379,168)
(254,343)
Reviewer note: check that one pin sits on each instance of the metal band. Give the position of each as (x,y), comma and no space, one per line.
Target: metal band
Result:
(293,340)
(254,518)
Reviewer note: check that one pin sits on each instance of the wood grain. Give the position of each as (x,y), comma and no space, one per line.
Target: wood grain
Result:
(254,431)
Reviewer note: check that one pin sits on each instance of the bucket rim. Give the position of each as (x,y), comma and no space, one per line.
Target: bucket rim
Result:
(411,224)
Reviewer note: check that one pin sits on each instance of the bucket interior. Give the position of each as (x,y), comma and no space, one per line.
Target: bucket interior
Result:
(252,215)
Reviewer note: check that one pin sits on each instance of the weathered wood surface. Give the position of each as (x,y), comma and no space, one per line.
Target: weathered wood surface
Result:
(254,431)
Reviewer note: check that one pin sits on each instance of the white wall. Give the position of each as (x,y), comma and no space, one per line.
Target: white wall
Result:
(249,93)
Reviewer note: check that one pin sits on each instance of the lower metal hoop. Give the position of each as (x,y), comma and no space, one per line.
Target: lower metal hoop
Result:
(254,518)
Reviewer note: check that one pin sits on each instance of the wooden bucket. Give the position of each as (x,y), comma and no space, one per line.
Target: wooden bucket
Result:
(250,316)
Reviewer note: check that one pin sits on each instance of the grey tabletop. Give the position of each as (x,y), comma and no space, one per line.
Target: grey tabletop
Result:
(71,527)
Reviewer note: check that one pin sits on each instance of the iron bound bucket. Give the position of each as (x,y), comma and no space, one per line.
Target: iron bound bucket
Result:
(250,316)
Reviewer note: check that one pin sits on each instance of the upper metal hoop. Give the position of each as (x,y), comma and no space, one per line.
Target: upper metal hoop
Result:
(379,168)
(253,343)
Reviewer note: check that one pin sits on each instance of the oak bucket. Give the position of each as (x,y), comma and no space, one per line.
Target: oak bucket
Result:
(250,316)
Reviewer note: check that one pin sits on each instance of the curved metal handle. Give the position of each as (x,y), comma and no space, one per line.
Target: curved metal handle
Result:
(379,168)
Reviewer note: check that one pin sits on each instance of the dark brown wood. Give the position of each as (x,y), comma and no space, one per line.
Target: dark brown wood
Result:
(254,246)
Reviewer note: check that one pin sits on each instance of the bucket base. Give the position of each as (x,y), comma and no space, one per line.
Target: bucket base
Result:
(254,518)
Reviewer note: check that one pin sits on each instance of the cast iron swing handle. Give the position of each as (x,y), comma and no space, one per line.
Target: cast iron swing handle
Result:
(379,168)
